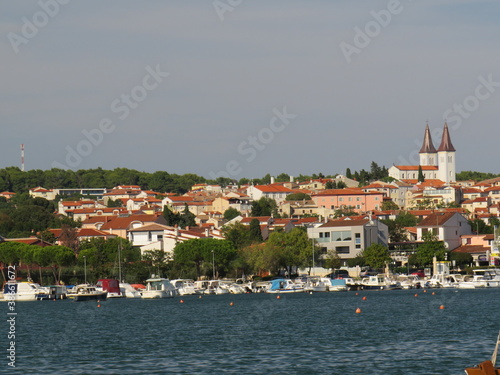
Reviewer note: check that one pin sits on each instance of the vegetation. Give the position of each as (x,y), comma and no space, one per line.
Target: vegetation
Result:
(376,256)
(183,220)
(264,207)
(396,227)
(297,197)
(476,176)
(231,213)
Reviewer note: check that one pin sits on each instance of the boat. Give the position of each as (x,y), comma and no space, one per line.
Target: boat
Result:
(444,281)
(24,291)
(409,281)
(87,292)
(158,287)
(129,291)
(112,286)
(487,367)
(491,275)
(473,282)
(338,285)
(184,286)
(379,282)
(215,287)
(317,284)
(284,286)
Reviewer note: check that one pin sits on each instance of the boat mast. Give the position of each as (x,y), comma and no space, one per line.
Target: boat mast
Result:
(119,261)
(495,352)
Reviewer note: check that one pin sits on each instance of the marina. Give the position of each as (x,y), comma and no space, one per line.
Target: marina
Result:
(397,332)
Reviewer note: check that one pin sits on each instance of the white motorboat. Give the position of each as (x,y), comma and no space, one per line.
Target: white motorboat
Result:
(23,291)
(284,286)
(128,291)
(379,282)
(491,275)
(409,281)
(338,285)
(158,287)
(444,281)
(473,282)
(184,286)
(317,284)
(87,292)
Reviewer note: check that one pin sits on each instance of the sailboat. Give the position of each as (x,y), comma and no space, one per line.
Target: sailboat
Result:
(487,367)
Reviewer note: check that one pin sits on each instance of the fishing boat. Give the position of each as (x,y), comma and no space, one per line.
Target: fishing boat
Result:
(379,282)
(338,285)
(487,367)
(184,286)
(87,292)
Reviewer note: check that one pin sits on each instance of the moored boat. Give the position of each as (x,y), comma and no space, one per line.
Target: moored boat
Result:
(23,291)
(112,286)
(284,286)
(87,292)
(159,288)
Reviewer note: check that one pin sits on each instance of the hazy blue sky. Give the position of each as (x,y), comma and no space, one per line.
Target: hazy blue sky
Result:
(348,98)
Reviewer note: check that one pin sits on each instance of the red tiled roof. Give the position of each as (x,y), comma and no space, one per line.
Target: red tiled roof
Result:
(471,249)
(274,188)
(436,219)
(344,223)
(125,222)
(415,167)
(347,191)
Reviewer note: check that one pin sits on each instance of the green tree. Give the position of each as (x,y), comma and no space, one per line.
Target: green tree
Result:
(238,234)
(421,177)
(187,218)
(462,260)
(330,185)
(376,255)
(297,197)
(431,247)
(231,213)
(389,205)
(348,173)
(264,207)
(255,234)
(332,260)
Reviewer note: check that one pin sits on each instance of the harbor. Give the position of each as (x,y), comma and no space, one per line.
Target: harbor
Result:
(396,332)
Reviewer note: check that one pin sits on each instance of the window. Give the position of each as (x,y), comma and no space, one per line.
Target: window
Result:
(341,199)
(341,236)
(342,249)
(357,237)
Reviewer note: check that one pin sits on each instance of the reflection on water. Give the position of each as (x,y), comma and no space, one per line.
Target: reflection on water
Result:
(396,333)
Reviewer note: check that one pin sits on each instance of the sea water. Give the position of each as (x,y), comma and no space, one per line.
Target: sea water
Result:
(397,332)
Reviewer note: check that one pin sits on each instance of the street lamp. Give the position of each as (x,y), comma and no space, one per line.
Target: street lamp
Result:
(313,255)
(85,268)
(213,264)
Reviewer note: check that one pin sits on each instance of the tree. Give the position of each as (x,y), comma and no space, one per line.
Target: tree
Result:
(69,238)
(114,203)
(421,177)
(462,260)
(204,253)
(330,185)
(376,255)
(429,249)
(264,207)
(255,234)
(238,234)
(231,213)
(297,197)
(332,260)
(187,218)
(389,205)
(345,211)
(54,257)
(348,173)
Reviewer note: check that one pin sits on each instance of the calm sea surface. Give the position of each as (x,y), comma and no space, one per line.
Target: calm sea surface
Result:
(396,333)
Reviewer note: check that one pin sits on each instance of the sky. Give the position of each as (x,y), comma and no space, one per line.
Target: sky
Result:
(240,88)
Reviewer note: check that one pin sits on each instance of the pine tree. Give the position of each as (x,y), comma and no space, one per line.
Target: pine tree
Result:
(421,177)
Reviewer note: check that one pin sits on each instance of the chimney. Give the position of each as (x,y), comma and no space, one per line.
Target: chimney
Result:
(207,232)
(291,178)
(272,180)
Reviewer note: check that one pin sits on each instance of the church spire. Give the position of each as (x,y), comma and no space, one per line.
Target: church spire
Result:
(427,146)
(446,144)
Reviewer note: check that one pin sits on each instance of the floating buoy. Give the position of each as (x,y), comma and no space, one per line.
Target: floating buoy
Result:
(181,301)
(231,303)
(364,298)
(358,311)
(433,293)
(441,307)
(199,297)
(98,305)
(416,294)
(278,297)
(425,291)
(357,293)
(310,292)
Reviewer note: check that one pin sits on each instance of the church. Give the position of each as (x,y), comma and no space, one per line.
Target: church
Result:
(436,164)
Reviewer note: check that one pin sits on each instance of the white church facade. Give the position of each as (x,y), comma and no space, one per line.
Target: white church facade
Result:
(437,164)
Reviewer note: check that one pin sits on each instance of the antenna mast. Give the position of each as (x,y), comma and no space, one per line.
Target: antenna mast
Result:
(22,157)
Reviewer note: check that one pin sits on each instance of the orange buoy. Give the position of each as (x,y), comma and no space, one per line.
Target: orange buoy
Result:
(181,301)
(231,303)
(364,298)
(433,293)
(357,293)
(199,297)
(98,305)
(416,294)
(278,297)
(425,291)
(441,307)
(358,311)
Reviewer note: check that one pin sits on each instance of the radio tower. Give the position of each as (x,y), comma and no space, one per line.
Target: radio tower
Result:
(22,157)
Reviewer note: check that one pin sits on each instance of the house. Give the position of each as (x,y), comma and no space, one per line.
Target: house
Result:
(347,237)
(163,237)
(7,195)
(83,234)
(40,192)
(122,224)
(480,246)
(349,198)
(28,240)
(447,226)
(274,191)
(64,206)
